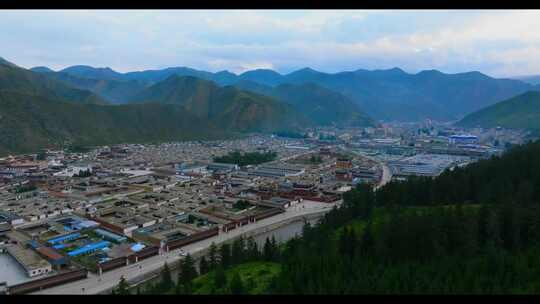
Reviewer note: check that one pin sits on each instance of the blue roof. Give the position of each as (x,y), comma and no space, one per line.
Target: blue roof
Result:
(89,248)
(86,224)
(64,238)
(137,247)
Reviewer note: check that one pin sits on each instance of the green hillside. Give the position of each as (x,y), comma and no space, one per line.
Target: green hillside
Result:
(321,105)
(114,91)
(391,94)
(5,62)
(256,275)
(40,110)
(30,122)
(228,107)
(17,79)
(520,112)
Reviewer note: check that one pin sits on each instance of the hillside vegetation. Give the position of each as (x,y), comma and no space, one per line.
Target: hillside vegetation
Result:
(519,112)
(228,107)
(256,275)
(383,94)
(321,105)
(114,91)
(473,230)
(49,109)
(20,80)
(31,122)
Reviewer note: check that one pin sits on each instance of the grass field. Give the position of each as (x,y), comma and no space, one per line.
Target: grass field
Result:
(255,277)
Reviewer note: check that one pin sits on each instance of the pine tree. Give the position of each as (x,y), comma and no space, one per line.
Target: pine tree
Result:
(510,226)
(166,278)
(220,280)
(250,285)
(203,266)
(225,255)
(368,243)
(344,241)
(213,255)
(237,256)
(267,250)
(275,250)
(236,286)
(188,272)
(252,249)
(122,288)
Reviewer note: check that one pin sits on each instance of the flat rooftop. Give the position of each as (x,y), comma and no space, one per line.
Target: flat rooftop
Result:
(11,271)
(26,257)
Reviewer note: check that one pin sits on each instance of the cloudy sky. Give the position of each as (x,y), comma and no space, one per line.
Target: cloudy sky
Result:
(498,43)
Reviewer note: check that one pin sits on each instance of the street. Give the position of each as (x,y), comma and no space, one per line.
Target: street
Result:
(95,284)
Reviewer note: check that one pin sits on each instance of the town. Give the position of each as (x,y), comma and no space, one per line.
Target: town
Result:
(65,214)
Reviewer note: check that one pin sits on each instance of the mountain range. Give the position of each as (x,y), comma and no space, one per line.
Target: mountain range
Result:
(519,112)
(30,122)
(323,106)
(390,95)
(229,107)
(38,111)
(320,105)
(532,79)
(13,78)
(86,105)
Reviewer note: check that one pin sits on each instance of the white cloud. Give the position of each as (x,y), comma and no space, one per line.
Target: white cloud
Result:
(496,42)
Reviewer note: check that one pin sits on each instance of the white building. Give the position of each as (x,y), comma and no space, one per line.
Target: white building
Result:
(73,170)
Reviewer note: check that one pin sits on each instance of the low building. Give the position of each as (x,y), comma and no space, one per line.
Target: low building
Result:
(276,171)
(222,167)
(109,235)
(64,238)
(11,218)
(32,263)
(343,175)
(89,248)
(3,288)
(462,139)
(51,255)
(278,202)
(190,168)
(344,163)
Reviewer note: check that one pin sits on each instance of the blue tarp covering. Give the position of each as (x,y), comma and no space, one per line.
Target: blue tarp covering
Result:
(64,238)
(59,246)
(89,248)
(86,224)
(137,247)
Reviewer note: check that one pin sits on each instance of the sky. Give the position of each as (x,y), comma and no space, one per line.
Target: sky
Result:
(500,43)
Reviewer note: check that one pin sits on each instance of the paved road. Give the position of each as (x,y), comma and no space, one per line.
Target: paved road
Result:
(295,156)
(386,174)
(95,284)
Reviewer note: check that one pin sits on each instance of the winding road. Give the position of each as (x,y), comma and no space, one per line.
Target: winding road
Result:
(386,173)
